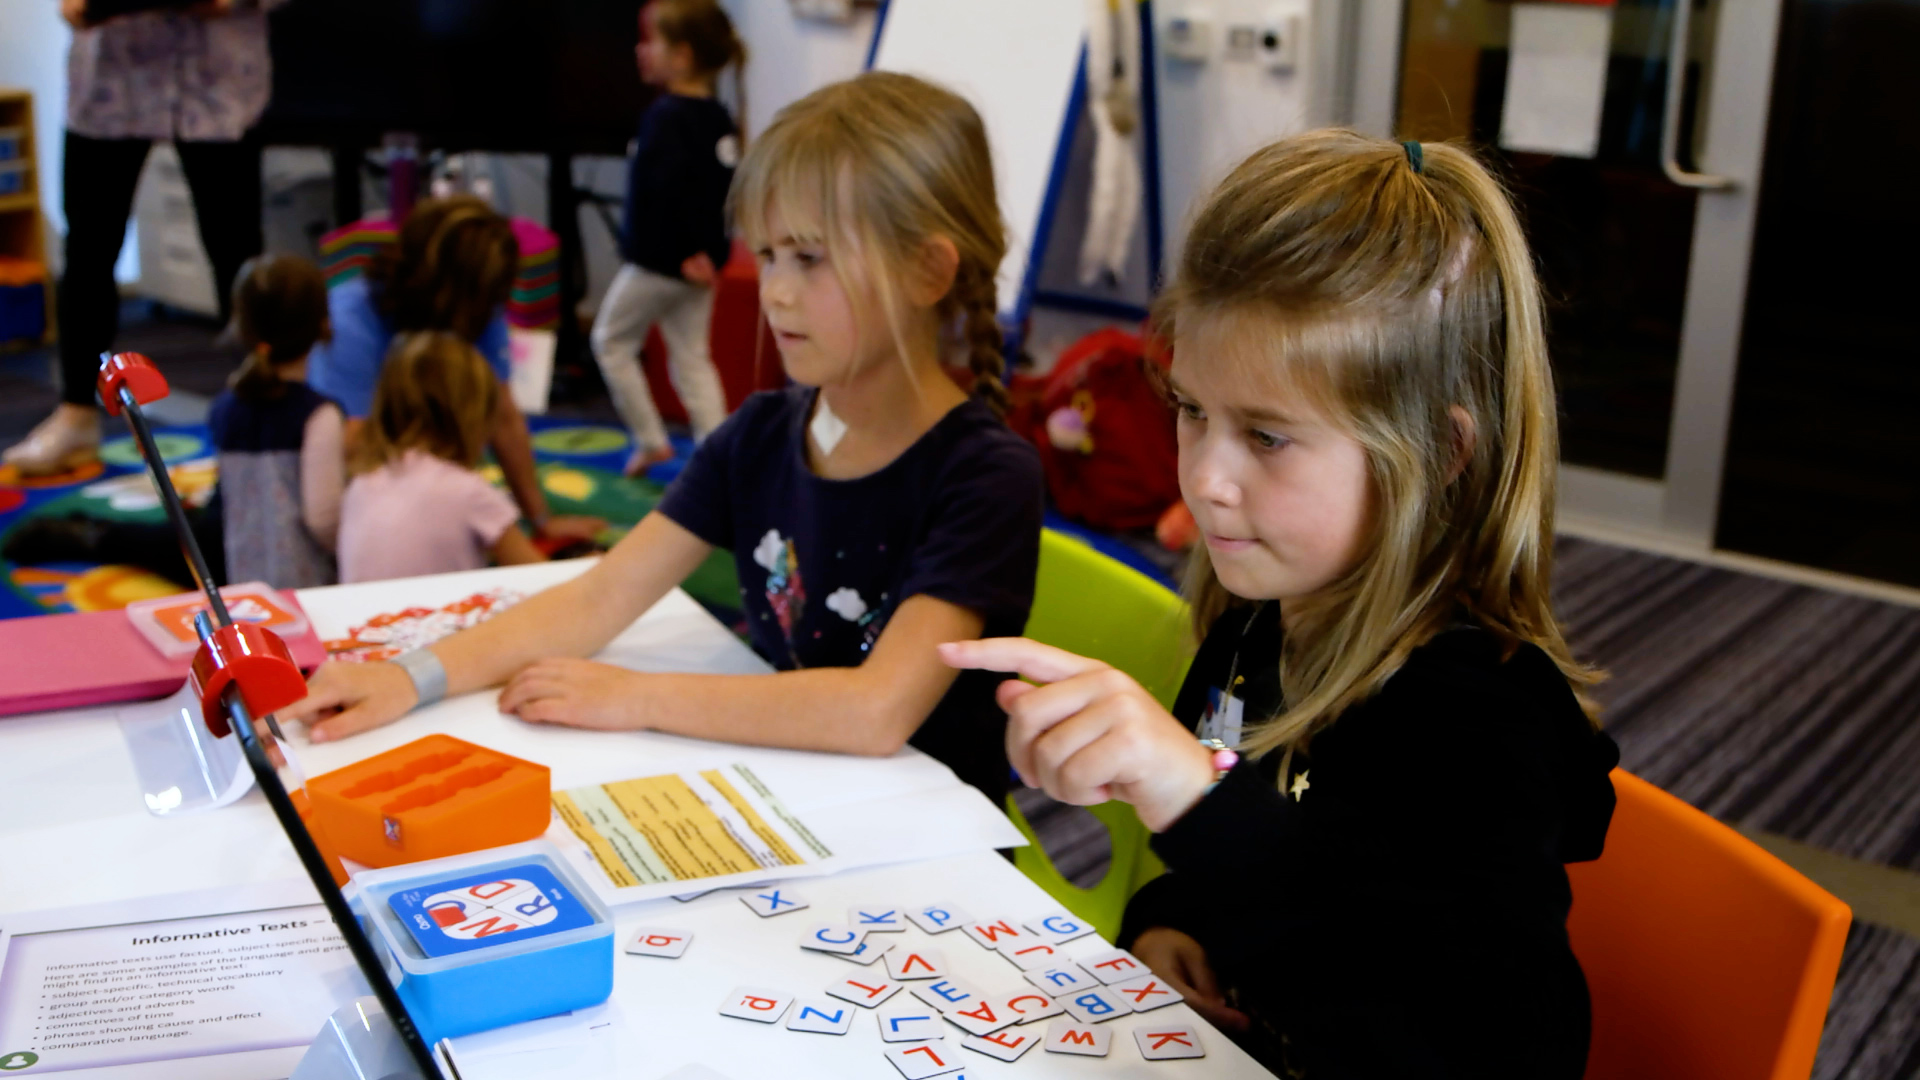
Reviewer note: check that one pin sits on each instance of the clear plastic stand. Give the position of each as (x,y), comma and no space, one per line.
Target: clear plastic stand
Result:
(357,1043)
(183,769)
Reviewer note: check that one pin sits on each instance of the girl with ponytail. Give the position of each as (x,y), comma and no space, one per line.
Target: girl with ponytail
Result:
(873,509)
(1384,752)
(675,238)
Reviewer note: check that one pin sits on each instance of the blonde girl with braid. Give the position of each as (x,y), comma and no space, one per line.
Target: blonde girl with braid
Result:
(874,508)
(1384,753)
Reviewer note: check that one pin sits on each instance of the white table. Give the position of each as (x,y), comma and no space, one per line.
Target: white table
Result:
(73,830)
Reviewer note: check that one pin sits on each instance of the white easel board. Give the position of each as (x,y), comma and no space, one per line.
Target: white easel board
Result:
(1017,62)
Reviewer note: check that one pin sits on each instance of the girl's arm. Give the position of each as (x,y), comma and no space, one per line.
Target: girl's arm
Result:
(513,449)
(323,474)
(574,618)
(514,549)
(871,709)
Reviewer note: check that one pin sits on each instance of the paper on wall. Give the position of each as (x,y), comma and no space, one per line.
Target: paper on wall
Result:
(1556,78)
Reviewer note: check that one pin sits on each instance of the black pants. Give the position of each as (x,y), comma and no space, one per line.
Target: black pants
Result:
(101,175)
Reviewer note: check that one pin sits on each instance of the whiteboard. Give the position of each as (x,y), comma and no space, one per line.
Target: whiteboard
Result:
(1018,63)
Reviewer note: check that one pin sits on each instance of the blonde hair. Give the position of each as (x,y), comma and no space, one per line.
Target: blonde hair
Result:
(1390,294)
(871,169)
(437,394)
(704,28)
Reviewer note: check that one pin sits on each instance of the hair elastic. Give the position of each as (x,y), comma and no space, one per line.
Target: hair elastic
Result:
(1415,157)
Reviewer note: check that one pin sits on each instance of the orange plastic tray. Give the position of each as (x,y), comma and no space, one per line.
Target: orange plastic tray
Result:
(431,798)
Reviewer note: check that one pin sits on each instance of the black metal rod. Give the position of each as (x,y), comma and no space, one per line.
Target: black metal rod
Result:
(176,513)
(267,775)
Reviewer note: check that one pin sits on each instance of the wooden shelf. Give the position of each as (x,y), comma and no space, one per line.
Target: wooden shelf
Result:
(25,200)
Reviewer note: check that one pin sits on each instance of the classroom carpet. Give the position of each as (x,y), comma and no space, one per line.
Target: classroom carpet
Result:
(578,463)
(1779,708)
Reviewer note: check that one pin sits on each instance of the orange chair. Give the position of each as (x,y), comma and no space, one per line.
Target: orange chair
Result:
(1708,958)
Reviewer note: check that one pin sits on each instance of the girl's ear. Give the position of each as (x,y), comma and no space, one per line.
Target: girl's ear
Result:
(1465,434)
(939,266)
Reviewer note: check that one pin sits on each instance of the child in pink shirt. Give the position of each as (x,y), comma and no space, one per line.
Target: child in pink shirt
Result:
(416,505)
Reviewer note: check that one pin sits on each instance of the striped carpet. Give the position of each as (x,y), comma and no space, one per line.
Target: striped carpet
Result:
(1773,706)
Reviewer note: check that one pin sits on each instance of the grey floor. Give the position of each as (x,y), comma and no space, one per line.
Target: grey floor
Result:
(1790,712)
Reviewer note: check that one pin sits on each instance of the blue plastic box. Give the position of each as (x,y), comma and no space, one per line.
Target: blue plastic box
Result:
(492,938)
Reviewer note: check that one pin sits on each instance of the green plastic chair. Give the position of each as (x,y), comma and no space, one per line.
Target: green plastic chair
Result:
(1092,605)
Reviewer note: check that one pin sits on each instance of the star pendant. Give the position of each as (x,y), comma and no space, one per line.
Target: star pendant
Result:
(1300,785)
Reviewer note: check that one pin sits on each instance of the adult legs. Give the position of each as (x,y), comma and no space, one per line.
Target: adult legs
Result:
(100,177)
(225,180)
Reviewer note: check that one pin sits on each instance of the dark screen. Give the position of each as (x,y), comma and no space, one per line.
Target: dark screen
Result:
(509,75)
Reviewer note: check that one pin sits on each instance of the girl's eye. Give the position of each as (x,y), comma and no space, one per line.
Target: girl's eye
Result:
(1188,410)
(808,259)
(1267,440)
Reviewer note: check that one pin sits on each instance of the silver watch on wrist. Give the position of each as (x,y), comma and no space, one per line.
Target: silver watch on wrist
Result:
(429,675)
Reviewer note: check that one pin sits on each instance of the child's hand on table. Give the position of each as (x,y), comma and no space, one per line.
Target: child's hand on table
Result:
(346,699)
(577,693)
(1091,733)
(1179,959)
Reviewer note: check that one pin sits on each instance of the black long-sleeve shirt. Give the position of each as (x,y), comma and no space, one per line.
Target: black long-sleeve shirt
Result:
(1396,905)
(677,181)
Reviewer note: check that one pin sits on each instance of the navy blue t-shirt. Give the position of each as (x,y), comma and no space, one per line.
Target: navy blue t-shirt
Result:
(824,564)
(677,182)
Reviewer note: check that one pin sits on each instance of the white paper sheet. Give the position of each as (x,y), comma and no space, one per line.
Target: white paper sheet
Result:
(1556,78)
(116,989)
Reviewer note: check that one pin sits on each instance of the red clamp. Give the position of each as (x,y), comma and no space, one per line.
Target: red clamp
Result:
(254,659)
(136,373)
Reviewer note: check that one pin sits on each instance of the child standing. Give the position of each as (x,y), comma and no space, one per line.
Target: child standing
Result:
(873,510)
(416,505)
(675,239)
(1395,755)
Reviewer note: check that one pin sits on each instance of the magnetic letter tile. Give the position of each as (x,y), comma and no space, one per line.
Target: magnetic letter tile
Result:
(947,994)
(832,938)
(911,1025)
(1147,993)
(1059,928)
(877,918)
(864,990)
(1030,1005)
(755,1003)
(990,933)
(1095,1005)
(1167,1041)
(925,1059)
(652,941)
(867,953)
(825,1017)
(1066,1037)
(1060,979)
(1030,955)
(767,901)
(939,918)
(1005,1045)
(981,1016)
(904,965)
(1113,966)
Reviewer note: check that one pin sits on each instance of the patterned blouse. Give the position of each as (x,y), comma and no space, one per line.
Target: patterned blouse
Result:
(170,75)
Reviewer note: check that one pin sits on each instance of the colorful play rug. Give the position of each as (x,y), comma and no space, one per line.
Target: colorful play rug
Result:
(579,465)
